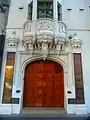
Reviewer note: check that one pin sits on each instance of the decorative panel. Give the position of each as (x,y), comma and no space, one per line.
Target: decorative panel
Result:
(15,100)
(78,78)
(8,79)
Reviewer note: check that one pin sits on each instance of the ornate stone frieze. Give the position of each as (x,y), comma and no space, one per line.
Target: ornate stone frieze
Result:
(44,36)
(44,44)
(45,25)
(42,26)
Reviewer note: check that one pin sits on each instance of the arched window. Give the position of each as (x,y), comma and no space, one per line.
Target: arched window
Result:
(45,9)
(59,8)
(30,9)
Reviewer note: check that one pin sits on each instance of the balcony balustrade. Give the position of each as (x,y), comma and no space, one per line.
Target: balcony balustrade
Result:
(44,36)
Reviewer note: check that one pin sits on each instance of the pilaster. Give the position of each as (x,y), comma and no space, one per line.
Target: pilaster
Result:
(55,16)
(34,17)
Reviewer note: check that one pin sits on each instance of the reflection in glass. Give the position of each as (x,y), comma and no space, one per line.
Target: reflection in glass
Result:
(7,94)
(59,7)
(45,9)
(30,9)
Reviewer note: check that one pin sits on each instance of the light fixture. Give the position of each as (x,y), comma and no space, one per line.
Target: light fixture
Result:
(9,67)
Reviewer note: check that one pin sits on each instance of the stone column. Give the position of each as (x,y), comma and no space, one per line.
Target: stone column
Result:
(3,75)
(34,16)
(16,82)
(70,85)
(70,71)
(55,16)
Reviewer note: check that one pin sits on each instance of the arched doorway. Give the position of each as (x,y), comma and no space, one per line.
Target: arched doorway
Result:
(43,84)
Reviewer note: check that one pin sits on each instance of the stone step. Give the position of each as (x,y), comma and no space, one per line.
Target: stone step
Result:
(43,111)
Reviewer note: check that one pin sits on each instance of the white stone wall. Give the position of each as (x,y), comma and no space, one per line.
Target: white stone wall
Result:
(79,22)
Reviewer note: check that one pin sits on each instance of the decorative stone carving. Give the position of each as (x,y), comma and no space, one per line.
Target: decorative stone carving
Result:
(44,25)
(76,42)
(62,28)
(29,43)
(44,36)
(44,44)
(27,27)
(13,40)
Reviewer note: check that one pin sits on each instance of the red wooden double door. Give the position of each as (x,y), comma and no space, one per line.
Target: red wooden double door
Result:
(43,84)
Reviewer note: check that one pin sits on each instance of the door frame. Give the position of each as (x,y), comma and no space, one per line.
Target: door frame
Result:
(32,59)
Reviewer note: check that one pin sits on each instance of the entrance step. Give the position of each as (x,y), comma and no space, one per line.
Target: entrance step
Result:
(43,111)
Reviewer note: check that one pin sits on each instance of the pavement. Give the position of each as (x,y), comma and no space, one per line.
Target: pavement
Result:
(45,117)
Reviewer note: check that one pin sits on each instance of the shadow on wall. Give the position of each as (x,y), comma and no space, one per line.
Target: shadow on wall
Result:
(2,40)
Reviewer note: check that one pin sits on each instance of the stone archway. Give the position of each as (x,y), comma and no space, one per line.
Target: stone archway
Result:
(43,84)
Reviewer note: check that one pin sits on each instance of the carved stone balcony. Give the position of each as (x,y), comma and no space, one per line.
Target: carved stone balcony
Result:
(44,35)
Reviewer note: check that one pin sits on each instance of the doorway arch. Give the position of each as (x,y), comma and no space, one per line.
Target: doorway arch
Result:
(43,84)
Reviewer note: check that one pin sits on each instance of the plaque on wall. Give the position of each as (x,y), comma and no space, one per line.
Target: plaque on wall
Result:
(15,100)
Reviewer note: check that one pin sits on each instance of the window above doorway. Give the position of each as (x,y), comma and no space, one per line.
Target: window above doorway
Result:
(45,9)
(59,9)
(30,9)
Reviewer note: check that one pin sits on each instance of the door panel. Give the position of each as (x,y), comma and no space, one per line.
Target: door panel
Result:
(48,83)
(44,84)
(59,89)
(38,89)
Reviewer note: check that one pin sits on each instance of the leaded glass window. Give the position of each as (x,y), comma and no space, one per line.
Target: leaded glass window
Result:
(45,9)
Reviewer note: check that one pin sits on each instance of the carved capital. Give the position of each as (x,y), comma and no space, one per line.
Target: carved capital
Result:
(13,40)
(76,44)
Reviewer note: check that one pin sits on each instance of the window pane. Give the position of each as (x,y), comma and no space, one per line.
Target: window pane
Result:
(2,40)
(0,65)
(7,94)
(45,9)
(59,7)
(30,9)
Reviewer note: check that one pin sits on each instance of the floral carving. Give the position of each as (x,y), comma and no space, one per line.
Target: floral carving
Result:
(44,25)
